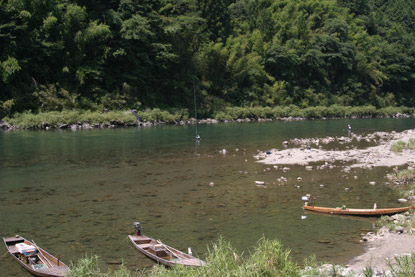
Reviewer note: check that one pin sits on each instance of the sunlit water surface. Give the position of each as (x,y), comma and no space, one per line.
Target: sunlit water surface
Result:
(78,193)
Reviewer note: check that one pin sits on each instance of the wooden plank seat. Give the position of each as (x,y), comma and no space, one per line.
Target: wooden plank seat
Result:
(145,245)
(13,249)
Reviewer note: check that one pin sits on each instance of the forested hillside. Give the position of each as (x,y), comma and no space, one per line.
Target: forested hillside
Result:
(117,54)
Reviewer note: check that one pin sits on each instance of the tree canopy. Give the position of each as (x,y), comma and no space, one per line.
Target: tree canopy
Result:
(57,54)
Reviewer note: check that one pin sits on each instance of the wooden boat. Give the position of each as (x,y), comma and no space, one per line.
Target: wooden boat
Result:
(160,252)
(33,258)
(358,212)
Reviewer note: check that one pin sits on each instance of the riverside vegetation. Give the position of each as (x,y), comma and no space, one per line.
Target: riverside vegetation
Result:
(55,119)
(269,258)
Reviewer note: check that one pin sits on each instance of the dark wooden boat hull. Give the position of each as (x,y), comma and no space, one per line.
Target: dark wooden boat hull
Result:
(54,271)
(175,257)
(357,212)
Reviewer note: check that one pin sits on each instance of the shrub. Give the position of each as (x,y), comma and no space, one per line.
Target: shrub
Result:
(400,145)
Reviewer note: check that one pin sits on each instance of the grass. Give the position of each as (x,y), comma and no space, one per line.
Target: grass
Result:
(318,112)
(90,267)
(29,120)
(404,182)
(268,258)
(403,266)
(400,145)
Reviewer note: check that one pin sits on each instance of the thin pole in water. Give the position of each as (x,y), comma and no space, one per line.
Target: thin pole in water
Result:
(194,96)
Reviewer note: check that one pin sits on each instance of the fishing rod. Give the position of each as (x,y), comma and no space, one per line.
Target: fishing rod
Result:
(194,97)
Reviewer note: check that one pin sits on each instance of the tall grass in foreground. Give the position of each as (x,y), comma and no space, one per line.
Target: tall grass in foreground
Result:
(269,258)
(403,266)
(90,267)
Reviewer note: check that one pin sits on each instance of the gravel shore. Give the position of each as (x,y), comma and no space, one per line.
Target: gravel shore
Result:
(381,247)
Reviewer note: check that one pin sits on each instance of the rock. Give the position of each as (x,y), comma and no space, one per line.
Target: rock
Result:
(211,184)
(86,126)
(4,125)
(398,217)
(285,142)
(399,229)
(63,126)
(402,200)
(299,179)
(309,167)
(372,183)
(259,182)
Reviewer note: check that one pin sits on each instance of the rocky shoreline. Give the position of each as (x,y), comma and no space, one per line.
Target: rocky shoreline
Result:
(116,123)
(388,243)
(306,151)
(143,123)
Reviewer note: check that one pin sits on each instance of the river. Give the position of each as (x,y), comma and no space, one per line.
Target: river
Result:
(78,193)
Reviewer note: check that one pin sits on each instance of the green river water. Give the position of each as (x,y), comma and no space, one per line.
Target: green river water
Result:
(78,193)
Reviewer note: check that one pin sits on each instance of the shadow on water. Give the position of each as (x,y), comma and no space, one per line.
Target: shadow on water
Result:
(78,193)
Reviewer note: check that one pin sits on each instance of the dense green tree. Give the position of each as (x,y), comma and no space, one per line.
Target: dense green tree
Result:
(57,54)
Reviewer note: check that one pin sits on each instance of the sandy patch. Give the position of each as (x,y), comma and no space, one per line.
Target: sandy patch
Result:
(382,250)
(379,155)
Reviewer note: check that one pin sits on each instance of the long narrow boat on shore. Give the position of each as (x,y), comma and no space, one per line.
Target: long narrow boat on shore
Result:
(357,212)
(33,258)
(160,252)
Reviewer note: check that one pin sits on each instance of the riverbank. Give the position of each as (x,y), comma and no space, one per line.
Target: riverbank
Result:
(311,150)
(86,119)
(386,248)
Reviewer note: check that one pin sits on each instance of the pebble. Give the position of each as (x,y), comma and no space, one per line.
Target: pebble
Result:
(372,183)
(211,184)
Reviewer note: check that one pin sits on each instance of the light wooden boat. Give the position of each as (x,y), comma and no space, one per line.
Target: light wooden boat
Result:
(160,252)
(33,258)
(358,212)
